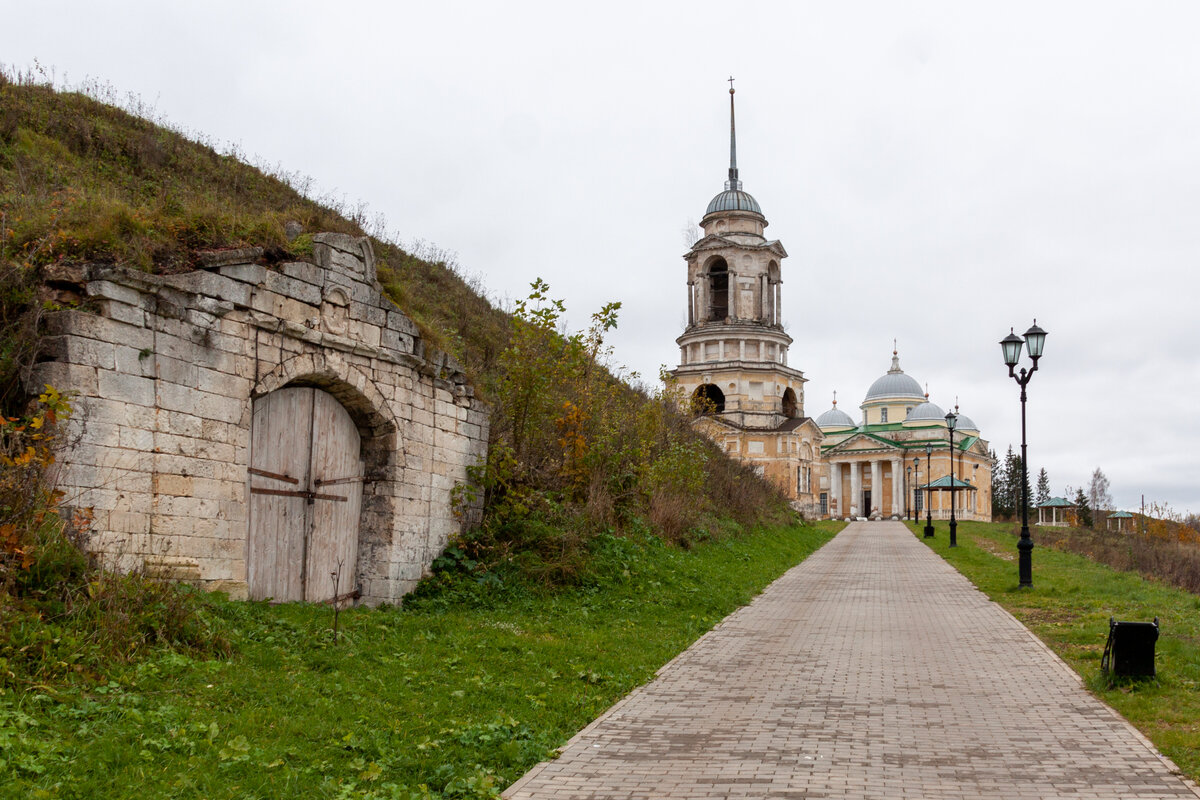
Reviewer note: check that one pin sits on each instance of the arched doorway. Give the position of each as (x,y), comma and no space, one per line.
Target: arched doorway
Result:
(789,403)
(718,289)
(708,399)
(306,473)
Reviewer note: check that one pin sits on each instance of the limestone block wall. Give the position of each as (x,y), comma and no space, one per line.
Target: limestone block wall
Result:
(165,369)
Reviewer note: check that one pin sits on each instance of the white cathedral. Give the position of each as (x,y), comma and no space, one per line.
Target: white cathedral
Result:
(733,367)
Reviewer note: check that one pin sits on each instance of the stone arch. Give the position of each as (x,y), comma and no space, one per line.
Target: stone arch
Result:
(773,271)
(790,406)
(716,272)
(708,399)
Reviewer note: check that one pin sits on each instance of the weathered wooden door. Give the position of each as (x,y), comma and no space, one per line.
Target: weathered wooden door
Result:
(305,497)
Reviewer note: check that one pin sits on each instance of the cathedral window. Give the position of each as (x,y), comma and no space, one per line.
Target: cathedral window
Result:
(718,290)
(883,415)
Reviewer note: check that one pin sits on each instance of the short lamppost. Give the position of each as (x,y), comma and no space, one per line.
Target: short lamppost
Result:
(907,483)
(928,505)
(916,468)
(951,419)
(1035,340)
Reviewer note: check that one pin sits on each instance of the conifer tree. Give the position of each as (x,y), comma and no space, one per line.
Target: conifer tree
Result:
(1043,488)
(1082,510)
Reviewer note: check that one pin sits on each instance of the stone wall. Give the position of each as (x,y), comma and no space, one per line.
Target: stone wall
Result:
(165,368)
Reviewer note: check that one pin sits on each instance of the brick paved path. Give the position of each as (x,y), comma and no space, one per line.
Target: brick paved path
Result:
(872,670)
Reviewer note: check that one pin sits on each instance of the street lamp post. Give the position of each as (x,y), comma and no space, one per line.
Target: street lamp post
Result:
(928,505)
(1035,341)
(951,419)
(907,483)
(916,468)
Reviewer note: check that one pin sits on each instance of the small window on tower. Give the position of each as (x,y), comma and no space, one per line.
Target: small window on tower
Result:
(883,415)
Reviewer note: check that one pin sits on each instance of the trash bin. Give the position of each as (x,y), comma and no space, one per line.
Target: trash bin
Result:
(1130,648)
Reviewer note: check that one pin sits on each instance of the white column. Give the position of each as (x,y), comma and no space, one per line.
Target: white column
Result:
(855,487)
(897,486)
(762,297)
(742,349)
(691,303)
(876,486)
(835,489)
(778,302)
(732,296)
(683,355)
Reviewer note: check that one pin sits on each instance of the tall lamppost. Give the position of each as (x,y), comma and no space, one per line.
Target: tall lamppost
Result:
(907,483)
(928,505)
(1035,340)
(951,419)
(916,468)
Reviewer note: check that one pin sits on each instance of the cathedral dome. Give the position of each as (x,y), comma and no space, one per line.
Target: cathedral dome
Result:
(835,418)
(965,423)
(926,412)
(733,200)
(894,384)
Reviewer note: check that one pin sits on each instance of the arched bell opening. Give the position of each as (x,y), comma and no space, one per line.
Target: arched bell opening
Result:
(790,406)
(708,399)
(718,289)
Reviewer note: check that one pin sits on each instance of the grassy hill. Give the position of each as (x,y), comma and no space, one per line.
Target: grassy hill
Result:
(83,181)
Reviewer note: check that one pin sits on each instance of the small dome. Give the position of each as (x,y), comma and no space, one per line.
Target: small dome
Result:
(894,384)
(733,200)
(965,423)
(835,418)
(926,412)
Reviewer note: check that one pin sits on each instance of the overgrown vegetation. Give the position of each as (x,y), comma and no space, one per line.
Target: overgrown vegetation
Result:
(61,618)
(1069,608)
(456,695)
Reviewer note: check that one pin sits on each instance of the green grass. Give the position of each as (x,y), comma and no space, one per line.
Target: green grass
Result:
(451,698)
(1068,608)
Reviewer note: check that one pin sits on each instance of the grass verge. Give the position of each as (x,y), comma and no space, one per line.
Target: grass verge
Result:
(1068,608)
(444,699)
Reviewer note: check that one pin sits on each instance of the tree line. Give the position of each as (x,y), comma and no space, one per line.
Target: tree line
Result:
(1007,491)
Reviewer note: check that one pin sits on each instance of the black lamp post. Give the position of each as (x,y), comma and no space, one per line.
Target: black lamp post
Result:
(907,483)
(928,505)
(1035,340)
(951,419)
(916,468)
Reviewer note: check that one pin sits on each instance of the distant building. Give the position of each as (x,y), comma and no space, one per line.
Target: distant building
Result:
(733,367)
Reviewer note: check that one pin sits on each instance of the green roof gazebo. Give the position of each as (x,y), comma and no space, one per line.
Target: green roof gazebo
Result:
(1054,504)
(946,483)
(1120,517)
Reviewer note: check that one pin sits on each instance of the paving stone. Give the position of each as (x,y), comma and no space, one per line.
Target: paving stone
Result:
(871,670)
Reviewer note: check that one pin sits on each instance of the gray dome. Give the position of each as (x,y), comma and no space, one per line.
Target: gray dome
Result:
(835,418)
(965,423)
(926,412)
(733,200)
(894,384)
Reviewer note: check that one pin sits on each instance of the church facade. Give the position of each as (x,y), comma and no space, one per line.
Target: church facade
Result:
(733,370)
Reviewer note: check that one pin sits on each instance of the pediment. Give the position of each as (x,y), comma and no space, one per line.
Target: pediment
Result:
(861,442)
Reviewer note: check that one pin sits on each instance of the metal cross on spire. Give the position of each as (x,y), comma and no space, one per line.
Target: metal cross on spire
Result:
(733,182)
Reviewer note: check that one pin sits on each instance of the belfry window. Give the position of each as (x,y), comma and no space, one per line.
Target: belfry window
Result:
(708,399)
(718,290)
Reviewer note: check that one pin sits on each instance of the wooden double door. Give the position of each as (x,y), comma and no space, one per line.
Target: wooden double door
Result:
(306,476)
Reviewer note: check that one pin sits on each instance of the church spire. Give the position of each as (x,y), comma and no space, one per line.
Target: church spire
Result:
(895,359)
(733,182)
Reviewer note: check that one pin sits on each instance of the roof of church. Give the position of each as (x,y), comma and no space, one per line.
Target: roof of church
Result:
(835,418)
(927,411)
(792,423)
(894,384)
(964,423)
(733,200)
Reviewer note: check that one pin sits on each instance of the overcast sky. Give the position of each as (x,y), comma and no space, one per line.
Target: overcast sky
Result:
(938,173)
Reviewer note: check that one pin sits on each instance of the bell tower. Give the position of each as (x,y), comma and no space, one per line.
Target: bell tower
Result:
(733,353)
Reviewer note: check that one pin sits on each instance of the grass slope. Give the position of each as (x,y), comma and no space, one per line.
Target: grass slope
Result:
(455,697)
(1068,608)
(85,181)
